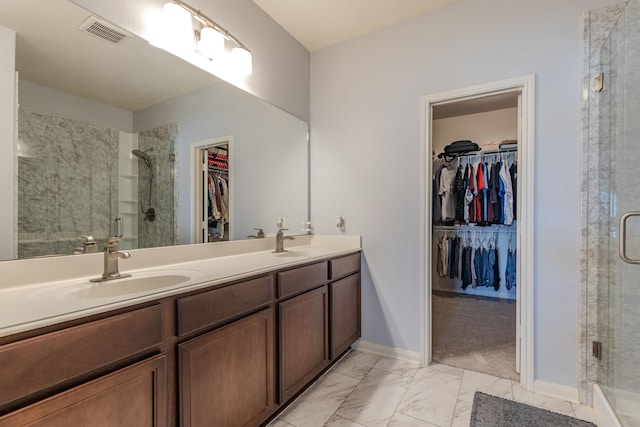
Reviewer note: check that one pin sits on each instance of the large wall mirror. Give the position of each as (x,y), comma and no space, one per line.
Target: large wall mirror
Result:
(107,131)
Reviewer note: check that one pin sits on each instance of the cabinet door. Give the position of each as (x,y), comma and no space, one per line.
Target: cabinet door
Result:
(345,313)
(303,340)
(134,396)
(227,375)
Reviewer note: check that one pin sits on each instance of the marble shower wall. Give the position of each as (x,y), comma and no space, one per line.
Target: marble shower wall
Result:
(67,183)
(159,144)
(610,175)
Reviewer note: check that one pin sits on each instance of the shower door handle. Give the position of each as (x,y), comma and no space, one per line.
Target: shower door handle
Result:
(119,233)
(623,237)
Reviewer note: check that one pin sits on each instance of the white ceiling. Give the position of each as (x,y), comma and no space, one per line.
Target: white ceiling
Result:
(321,23)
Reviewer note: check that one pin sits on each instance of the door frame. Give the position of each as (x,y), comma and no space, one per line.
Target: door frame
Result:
(196,187)
(525,85)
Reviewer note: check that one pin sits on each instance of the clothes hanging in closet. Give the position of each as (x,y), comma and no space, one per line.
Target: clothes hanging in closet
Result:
(480,193)
(510,272)
(437,201)
(218,191)
(513,172)
(446,192)
(474,265)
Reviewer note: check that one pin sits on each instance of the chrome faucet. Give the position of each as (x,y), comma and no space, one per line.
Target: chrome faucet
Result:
(280,237)
(259,235)
(89,246)
(111,256)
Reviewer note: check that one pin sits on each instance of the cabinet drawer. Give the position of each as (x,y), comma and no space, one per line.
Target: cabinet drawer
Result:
(300,279)
(213,307)
(38,364)
(343,266)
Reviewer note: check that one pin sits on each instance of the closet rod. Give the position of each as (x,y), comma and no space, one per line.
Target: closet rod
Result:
(480,153)
(216,169)
(477,228)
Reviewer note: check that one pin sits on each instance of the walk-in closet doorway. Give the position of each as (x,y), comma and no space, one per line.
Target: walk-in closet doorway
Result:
(521,89)
(211,190)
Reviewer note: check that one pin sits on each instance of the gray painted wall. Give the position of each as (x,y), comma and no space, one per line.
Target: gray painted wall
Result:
(366,124)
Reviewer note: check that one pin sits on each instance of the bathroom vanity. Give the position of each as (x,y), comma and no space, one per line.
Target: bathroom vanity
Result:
(218,349)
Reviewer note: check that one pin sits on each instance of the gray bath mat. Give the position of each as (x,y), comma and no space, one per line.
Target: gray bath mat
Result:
(491,411)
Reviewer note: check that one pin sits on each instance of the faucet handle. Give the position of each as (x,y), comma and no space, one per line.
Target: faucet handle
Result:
(111,244)
(260,232)
(89,245)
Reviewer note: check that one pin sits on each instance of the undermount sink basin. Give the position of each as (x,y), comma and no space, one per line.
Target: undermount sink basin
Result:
(285,254)
(300,252)
(129,285)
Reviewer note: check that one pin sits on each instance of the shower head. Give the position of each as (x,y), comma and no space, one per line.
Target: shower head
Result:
(142,156)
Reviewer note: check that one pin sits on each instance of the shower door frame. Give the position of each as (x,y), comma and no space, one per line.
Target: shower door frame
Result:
(602,210)
(525,85)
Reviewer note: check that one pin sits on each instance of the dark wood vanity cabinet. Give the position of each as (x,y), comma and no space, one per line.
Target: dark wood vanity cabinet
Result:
(303,340)
(344,297)
(226,367)
(227,375)
(344,303)
(87,374)
(303,324)
(228,355)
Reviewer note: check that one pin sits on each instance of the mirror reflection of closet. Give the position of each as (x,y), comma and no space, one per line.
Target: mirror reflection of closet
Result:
(214,193)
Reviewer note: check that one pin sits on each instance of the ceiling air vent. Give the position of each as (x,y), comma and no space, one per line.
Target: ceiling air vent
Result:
(103,30)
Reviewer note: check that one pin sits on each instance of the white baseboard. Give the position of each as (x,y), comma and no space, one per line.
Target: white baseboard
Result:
(396,353)
(604,411)
(557,391)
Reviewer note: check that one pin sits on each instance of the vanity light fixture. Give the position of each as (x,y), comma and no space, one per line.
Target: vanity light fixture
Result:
(207,37)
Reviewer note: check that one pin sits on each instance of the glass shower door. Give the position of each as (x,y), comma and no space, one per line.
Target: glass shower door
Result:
(621,323)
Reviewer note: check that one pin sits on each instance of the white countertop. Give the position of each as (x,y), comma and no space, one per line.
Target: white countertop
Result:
(29,302)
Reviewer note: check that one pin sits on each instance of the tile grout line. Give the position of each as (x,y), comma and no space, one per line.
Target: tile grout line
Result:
(351,392)
(403,395)
(453,416)
(291,403)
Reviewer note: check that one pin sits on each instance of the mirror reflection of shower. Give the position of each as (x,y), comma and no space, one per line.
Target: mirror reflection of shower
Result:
(149,213)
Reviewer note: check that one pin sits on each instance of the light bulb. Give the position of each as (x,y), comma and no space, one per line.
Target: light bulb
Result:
(241,59)
(179,25)
(211,43)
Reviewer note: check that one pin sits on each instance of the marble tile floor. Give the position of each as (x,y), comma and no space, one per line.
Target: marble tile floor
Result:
(630,421)
(366,389)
